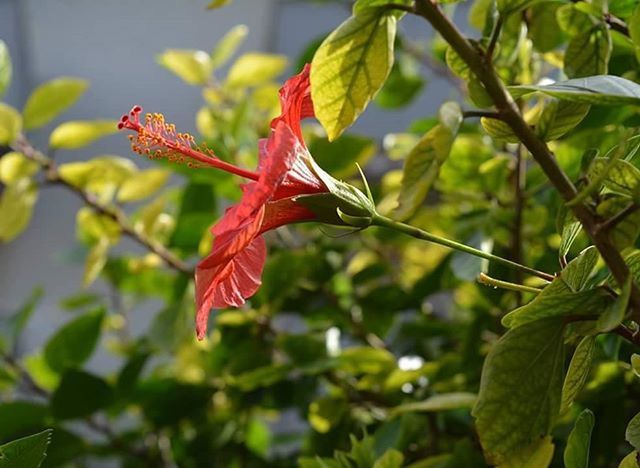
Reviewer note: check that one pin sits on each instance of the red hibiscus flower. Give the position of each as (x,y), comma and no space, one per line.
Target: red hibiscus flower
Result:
(286,171)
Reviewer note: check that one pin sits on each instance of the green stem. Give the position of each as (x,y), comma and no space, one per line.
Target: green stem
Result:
(413,231)
(496,283)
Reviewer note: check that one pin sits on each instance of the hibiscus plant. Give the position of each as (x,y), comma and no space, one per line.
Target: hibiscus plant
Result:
(462,293)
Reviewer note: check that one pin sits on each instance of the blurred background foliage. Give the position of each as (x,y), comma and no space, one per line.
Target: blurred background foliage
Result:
(360,349)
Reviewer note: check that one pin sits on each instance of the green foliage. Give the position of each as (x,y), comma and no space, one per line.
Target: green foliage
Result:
(362,347)
(27,452)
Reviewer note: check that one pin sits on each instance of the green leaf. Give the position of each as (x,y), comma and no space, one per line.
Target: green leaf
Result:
(50,99)
(576,453)
(499,129)
(457,64)
(632,434)
(142,184)
(573,21)
(16,207)
(218,4)
(557,299)
(254,69)
(12,328)
(326,412)
(570,228)
(258,437)
(6,68)
(614,314)
(630,461)
(10,124)
(634,30)
(507,7)
(443,402)
(577,272)
(559,118)
(74,343)
(530,359)
(625,233)
(80,394)
(228,45)
(602,89)
(196,213)
(578,371)
(390,459)
(95,262)
(423,163)
(619,175)
(27,452)
(76,134)
(349,68)
(588,53)
(21,417)
(538,454)
(192,66)
(15,166)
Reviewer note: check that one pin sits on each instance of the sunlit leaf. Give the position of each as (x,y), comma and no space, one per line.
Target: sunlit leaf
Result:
(6,68)
(76,134)
(529,358)
(193,66)
(423,163)
(349,67)
(50,99)
(15,166)
(326,412)
(10,124)
(143,184)
(16,207)
(578,371)
(603,89)
(95,262)
(443,402)
(390,459)
(255,68)
(218,4)
(228,45)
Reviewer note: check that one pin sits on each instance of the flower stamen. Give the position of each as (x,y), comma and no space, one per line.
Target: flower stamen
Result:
(157,139)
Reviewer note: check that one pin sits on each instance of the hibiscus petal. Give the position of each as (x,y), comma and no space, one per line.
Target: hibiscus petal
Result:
(285,211)
(295,101)
(230,284)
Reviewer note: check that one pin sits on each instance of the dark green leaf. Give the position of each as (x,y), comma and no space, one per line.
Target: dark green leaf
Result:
(28,452)
(74,343)
(632,434)
(80,394)
(588,53)
(528,358)
(579,370)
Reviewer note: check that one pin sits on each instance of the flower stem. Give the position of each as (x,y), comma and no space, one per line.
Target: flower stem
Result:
(413,231)
(496,283)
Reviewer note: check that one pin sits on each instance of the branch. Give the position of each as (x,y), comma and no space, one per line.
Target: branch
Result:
(611,223)
(506,106)
(116,214)
(616,24)
(480,113)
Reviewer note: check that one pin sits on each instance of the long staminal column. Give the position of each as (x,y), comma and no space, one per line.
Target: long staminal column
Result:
(157,139)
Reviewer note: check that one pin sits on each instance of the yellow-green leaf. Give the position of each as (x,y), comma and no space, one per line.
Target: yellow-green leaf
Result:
(538,454)
(228,45)
(5,68)
(193,66)
(422,166)
(576,453)
(255,68)
(560,117)
(76,134)
(498,129)
(443,402)
(578,372)
(218,4)
(349,68)
(326,412)
(50,99)
(15,166)
(630,461)
(96,260)
(16,207)
(142,185)
(634,30)
(10,124)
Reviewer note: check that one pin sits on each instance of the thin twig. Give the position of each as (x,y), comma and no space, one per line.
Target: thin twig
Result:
(495,35)
(611,223)
(481,113)
(496,283)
